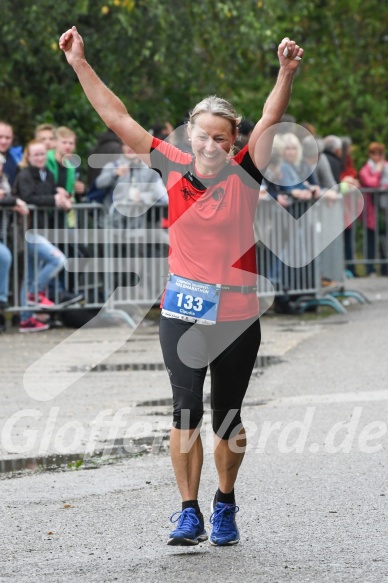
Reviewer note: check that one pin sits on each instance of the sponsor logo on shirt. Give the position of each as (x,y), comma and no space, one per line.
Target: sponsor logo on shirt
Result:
(218,195)
(188,194)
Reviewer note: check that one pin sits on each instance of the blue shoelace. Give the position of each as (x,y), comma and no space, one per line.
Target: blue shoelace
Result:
(188,519)
(222,518)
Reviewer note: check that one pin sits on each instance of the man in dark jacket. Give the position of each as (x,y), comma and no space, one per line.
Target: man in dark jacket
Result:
(12,155)
(333,150)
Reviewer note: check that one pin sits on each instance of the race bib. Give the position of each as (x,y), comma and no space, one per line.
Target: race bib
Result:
(191,300)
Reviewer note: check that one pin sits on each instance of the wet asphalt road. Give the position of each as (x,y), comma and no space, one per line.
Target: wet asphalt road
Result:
(312,491)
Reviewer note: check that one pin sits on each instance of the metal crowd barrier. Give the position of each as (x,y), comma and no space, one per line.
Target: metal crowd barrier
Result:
(120,255)
(138,248)
(366,243)
(283,246)
(292,252)
(78,243)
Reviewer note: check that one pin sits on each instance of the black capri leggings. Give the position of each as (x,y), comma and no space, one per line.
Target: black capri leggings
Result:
(230,348)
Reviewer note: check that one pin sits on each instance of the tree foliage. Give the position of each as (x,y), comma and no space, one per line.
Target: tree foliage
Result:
(161,57)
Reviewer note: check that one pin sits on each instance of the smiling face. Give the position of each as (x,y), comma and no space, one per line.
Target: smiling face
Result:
(211,140)
(290,153)
(37,155)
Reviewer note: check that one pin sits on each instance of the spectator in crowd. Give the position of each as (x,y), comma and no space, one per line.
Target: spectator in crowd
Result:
(162,130)
(245,130)
(297,182)
(318,164)
(126,183)
(321,165)
(269,259)
(349,172)
(65,175)
(166,132)
(302,130)
(12,154)
(374,174)
(7,203)
(349,181)
(131,180)
(45,133)
(179,138)
(332,190)
(273,180)
(35,185)
(287,124)
(108,143)
(332,148)
(5,187)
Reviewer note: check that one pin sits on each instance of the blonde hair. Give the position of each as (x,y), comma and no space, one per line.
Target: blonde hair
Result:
(277,144)
(219,107)
(291,140)
(26,153)
(44,127)
(64,132)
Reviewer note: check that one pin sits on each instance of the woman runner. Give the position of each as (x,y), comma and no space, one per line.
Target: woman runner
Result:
(209,308)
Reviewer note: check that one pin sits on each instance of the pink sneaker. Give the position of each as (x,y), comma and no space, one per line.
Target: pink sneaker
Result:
(42,302)
(32,325)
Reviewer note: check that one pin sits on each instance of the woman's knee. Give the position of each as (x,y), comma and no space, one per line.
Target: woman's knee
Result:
(226,423)
(188,409)
(57,258)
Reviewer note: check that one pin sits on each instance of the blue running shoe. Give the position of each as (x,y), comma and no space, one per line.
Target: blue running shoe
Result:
(225,531)
(190,529)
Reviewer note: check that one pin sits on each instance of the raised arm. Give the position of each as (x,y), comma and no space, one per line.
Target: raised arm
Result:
(260,142)
(108,106)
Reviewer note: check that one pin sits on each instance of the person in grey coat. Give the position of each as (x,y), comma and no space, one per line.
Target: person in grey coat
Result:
(128,180)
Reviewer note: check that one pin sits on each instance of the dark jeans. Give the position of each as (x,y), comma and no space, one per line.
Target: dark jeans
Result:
(349,257)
